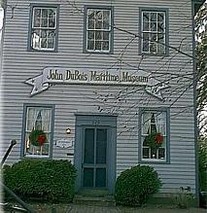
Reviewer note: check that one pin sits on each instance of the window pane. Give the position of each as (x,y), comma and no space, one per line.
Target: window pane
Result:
(145,42)
(146,26)
(153,153)
(153,26)
(145,153)
(43,43)
(161,153)
(153,47)
(145,17)
(44,34)
(106,15)
(91,19)
(90,35)
(98,35)
(105,45)
(44,13)
(98,45)
(44,17)
(91,45)
(35,43)
(161,17)
(37,13)
(98,24)
(52,17)
(160,27)
(89,146)
(152,17)
(51,43)
(106,36)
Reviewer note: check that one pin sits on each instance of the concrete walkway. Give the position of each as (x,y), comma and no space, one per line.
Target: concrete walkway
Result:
(99,209)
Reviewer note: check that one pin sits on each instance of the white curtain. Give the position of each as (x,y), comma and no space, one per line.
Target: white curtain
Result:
(146,122)
(46,117)
(160,119)
(31,118)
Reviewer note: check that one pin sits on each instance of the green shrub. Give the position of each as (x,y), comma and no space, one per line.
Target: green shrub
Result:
(135,185)
(48,180)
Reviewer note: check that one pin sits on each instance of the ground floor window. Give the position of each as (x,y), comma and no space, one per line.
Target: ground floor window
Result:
(154,135)
(38,131)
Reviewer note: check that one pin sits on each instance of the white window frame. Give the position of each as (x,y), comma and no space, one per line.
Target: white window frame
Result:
(162,127)
(36,39)
(30,124)
(95,31)
(156,32)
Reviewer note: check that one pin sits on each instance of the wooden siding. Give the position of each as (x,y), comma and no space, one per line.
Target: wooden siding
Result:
(20,64)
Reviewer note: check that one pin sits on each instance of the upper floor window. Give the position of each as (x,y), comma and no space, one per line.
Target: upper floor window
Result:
(43,33)
(98,30)
(153,32)
(154,135)
(38,131)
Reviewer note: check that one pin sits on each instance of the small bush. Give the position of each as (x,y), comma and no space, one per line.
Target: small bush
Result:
(48,180)
(184,198)
(135,185)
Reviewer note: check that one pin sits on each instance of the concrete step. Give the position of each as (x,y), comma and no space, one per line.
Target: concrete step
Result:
(94,201)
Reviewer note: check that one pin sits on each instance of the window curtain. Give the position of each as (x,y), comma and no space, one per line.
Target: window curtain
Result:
(160,122)
(46,116)
(31,118)
(146,119)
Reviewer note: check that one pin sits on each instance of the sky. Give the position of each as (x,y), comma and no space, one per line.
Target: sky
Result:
(1,22)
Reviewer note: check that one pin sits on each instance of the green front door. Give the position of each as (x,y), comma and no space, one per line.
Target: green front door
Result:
(95,152)
(95,157)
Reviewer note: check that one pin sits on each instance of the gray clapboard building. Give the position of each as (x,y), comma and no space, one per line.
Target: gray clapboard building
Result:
(101,78)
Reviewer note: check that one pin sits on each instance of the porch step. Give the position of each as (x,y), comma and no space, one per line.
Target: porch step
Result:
(94,201)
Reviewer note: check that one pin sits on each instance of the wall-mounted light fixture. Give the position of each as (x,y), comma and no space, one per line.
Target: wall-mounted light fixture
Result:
(68,131)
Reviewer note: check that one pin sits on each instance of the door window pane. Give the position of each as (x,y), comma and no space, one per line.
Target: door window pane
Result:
(88,174)
(89,146)
(101,177)
(101,146)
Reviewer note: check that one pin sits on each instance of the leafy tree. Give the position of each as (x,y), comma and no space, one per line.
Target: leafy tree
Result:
(201,55)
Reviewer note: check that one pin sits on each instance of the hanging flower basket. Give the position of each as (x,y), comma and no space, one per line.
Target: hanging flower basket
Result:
(154,140)
(37,137)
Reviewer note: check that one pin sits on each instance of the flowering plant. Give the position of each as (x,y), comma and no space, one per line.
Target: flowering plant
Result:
(37,137)
(154,140)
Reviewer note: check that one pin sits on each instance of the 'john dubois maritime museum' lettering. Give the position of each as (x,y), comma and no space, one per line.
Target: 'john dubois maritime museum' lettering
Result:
(94,76)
